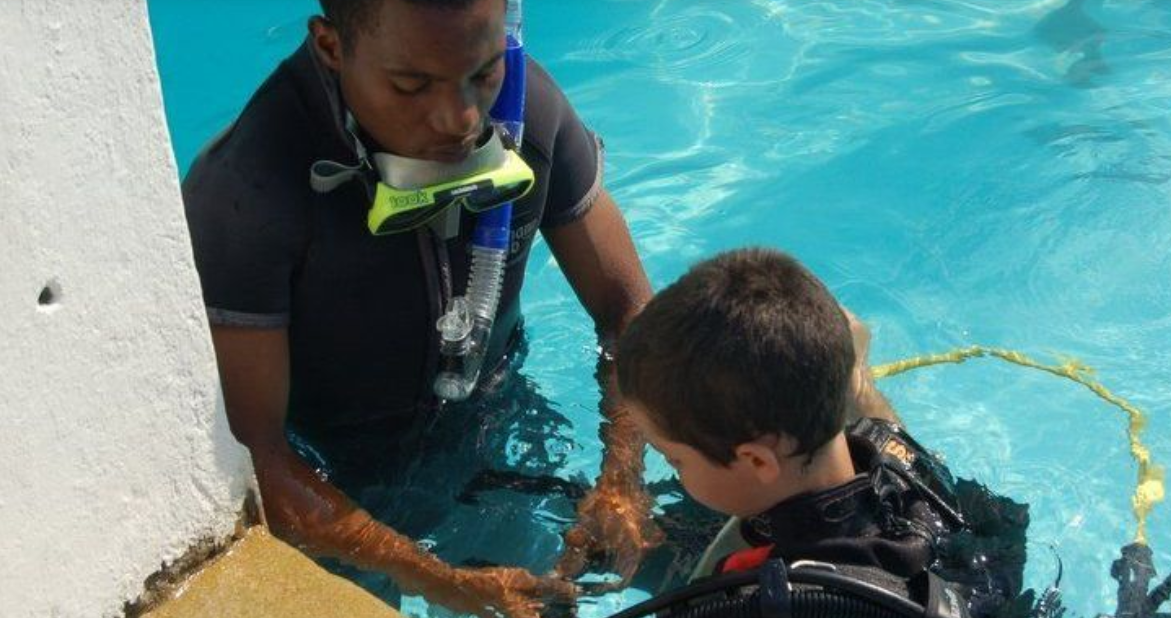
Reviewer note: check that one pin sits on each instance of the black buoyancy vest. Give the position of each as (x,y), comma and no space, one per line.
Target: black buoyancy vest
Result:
(881,527)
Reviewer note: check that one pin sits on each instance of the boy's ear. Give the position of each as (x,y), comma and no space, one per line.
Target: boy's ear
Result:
(760,457)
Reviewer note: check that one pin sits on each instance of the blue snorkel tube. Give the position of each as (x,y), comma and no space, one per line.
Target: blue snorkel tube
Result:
(466,328)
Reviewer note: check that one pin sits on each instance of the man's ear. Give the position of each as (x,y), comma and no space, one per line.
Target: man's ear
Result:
(327,42)
(760,457)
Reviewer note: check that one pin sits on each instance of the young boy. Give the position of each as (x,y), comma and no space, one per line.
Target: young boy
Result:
(739,374)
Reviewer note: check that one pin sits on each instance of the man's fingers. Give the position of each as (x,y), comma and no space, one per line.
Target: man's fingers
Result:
(653,535)
(626,562)
(571,564)
(575,555)
(578,537)
(524,608)
(528,604)
(557,589)
(623,542)
(527,613)
(523,612)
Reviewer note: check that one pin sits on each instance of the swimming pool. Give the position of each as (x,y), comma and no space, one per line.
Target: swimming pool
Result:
(959,172)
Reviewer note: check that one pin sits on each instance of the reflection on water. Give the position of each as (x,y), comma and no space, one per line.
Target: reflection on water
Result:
(1073,34)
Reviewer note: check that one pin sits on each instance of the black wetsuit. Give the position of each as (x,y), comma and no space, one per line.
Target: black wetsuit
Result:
(360,310)
(901,515)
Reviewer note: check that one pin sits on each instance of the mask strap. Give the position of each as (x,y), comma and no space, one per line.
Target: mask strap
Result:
(325,175)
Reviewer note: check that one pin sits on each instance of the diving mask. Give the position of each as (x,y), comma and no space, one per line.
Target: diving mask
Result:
(412,192)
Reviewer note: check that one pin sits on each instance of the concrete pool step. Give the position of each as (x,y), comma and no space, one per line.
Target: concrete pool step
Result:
(259,576)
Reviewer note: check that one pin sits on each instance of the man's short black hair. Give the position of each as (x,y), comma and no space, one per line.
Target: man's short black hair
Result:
(353,16)
(745,344)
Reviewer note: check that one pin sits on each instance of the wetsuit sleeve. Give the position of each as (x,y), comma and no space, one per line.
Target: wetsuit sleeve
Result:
(247,244)
(575,154)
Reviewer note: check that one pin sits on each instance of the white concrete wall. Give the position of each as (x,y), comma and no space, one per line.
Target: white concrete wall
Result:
(115,454)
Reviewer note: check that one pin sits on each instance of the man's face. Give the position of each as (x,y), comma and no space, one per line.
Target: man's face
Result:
(421,80)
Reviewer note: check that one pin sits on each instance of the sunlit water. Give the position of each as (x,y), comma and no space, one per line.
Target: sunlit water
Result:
(989,171)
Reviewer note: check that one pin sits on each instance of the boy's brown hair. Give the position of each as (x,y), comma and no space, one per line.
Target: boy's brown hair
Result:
(745,344)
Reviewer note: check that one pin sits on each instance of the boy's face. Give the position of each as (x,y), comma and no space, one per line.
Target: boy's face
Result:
(736,489)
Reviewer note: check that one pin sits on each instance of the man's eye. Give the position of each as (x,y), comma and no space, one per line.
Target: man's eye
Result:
(489,74)
(409,88)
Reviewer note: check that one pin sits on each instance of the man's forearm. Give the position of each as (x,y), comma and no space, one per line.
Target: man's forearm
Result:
(865,400)
(871,403)
(622,444)
(316,517)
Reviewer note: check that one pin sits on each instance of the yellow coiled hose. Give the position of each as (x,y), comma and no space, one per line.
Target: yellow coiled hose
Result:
(1148,490)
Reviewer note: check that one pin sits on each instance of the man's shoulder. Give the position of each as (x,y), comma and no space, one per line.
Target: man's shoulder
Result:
(540,86)
(546,108)
(268,148)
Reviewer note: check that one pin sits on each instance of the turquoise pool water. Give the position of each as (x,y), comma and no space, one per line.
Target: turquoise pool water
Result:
(960,172)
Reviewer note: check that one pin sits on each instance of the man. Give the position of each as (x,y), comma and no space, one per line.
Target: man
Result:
(320,325)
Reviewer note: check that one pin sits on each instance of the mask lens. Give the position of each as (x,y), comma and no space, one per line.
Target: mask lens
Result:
(400,210)
(493,196)
(403,223)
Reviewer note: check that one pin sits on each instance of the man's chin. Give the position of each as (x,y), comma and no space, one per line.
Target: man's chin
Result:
(448,157)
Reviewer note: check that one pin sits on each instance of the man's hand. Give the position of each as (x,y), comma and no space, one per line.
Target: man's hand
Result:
(864,398)
(614,525)
(598,258)
(499,591)
(306,511)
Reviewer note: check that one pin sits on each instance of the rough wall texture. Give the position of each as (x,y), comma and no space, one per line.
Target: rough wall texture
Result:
(115,454)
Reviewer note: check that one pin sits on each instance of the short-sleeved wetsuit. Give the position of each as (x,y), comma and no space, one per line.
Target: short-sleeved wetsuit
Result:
(360,309)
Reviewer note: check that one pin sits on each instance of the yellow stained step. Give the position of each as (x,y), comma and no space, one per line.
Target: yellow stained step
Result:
(261,577)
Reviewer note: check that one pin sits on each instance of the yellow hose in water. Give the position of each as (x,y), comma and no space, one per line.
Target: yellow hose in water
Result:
(1148,489)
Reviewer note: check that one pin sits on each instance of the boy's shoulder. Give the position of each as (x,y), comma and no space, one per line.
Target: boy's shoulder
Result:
(901,515)
(887,516)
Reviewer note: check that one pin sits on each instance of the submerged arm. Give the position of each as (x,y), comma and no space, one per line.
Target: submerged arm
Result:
(598,258)
(865,398)
(305,510)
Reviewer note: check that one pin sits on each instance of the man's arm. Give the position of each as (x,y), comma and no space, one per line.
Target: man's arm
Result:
(311,514)
(598,258)
(865,399)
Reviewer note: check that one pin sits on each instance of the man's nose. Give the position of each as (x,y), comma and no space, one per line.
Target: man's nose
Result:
(457,113)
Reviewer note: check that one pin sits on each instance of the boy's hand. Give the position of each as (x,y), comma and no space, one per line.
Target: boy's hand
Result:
(613,523)
(499,591)
(865,400)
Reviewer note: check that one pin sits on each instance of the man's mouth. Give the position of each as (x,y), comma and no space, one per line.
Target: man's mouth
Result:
(453,153)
